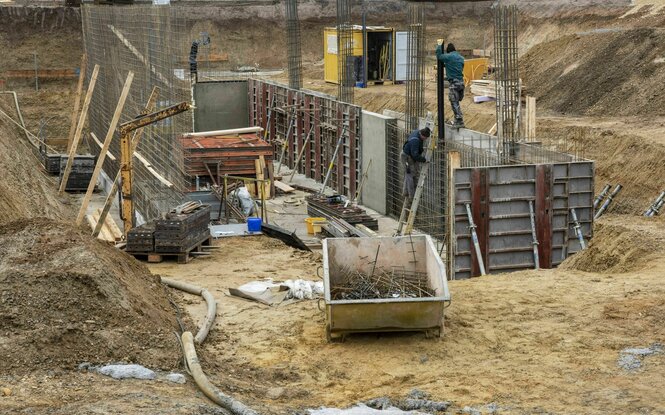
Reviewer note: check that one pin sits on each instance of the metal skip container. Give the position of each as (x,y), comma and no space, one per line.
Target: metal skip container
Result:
(370,256)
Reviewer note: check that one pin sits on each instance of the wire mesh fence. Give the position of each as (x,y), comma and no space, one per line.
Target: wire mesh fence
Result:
(152,43)
(431,215)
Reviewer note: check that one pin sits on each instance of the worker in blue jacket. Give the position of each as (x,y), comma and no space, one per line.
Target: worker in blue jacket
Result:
(412,157)
(454,64)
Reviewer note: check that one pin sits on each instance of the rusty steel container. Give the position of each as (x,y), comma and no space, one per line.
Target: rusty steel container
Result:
(410,253)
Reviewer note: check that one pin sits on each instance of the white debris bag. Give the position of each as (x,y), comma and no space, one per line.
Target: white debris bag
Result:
(244,200)
(304,290)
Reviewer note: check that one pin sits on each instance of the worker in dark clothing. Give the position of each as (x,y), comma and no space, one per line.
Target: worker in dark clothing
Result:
(454,64)
(412,157)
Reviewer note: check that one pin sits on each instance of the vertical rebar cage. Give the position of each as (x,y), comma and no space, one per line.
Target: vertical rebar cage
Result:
(345,64)
(507,77)
(415,70)
(152,42)
(293,43)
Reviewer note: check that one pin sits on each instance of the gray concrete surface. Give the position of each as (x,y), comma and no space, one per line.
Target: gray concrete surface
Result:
(374,129)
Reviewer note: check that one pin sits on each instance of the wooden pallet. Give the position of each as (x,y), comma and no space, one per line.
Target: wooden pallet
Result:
(181,257)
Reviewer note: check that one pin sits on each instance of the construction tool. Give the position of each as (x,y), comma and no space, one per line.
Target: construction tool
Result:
(286,140)
(609,200)
(150,107)
(127,150)
(578,229)
(332,159)
(405,225)
(532,216)
(301,153)
(601,196)
(655,207)
(474,237)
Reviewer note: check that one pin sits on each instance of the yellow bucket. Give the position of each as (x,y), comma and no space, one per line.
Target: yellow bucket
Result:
(314,225)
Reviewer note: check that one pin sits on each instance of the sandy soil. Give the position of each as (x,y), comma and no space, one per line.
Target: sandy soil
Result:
(530,341)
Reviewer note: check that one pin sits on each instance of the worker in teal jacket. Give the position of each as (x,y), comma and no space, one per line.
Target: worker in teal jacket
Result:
(454,64)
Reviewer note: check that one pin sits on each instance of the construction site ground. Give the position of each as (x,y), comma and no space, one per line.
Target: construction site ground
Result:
(538,341)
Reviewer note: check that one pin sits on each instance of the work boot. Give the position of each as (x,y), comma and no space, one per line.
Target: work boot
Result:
(459,123)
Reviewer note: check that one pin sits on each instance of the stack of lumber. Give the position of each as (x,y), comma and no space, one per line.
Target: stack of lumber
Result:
(333,209)
(110,231)
(219,155)
(483,88)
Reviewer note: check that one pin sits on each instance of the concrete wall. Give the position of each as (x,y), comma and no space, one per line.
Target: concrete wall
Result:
(221,105)
(373,147)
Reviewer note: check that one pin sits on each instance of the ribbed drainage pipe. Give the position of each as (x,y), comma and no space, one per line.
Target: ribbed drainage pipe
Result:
(189,350)
(209,319)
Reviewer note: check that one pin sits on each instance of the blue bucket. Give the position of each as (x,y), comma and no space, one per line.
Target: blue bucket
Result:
(254,224)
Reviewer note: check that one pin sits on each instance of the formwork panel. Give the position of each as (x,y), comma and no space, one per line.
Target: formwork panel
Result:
(503,219)
(327,117)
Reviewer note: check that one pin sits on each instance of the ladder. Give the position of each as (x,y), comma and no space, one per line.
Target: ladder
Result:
(408,215)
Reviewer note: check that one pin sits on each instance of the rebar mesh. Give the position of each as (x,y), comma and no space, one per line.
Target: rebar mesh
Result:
(415,70)
(507,76)
(345,60)
(431,215)
(152,42)
(293,44)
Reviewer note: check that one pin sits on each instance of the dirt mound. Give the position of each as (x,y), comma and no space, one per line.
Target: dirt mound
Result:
(632,161)
(25,191)
(606,71)
(615,248)
(67,298)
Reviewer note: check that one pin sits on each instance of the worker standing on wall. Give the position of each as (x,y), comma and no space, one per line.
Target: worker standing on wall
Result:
(454,64)
(412,157)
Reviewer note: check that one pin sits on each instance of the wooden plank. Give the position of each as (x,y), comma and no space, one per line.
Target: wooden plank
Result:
(111,226)
(530,122)
(284,187)
(105,148)
(79,129)
(101,146)
(77,101)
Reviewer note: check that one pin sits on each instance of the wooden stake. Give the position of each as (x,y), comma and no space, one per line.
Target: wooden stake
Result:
(105,148)
(79,128)
(77,101)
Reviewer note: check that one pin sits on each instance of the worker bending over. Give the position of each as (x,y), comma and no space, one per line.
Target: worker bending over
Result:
(412,157)
(454,64)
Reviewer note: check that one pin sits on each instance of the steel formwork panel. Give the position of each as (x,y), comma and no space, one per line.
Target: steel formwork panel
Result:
(327,116)
(499,197)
